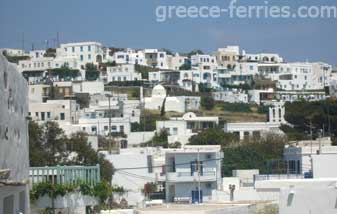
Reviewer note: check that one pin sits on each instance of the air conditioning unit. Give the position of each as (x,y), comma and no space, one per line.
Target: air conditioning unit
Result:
(208,185)
(208,156)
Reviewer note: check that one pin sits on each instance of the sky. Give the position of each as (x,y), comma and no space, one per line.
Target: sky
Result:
(132,23)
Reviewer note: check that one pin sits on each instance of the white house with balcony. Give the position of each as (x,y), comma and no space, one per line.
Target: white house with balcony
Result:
(129,56)
(192,172)
(204,62)
(180,129)
(84,52)
(156,58)
(121,73)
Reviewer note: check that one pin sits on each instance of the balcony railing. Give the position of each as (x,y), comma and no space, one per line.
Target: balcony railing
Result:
(188,177)
(65,174)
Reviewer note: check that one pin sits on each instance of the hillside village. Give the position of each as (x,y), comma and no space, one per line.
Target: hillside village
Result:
(140,128)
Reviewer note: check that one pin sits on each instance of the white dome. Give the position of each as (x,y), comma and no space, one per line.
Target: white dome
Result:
(159,90)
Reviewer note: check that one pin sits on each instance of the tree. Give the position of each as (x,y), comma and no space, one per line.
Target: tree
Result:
(159,139)
(50,52)
(37,156)
(91,72)
(253,153)
(48,146)
(54,143)
(213,136)
(185,66)
(320,114)
(207,102)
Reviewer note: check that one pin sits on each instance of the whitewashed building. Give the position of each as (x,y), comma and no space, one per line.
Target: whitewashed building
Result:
(121,73)
(257,129)
(14,148)
(180,129)
(84,52)
(192,173)
(204,62)
(159,98)
(233,96)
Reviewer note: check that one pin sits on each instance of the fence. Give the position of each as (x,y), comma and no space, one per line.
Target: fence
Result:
(65,174)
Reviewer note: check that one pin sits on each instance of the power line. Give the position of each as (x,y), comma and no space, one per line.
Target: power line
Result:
(166,165)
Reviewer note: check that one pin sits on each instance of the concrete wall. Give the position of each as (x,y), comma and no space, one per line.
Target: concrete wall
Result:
(322,200)
(324,166)
(135,138)
(13,133)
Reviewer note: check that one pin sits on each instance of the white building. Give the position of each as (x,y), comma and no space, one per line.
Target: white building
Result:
(258,129)
(233,96)
(133,175)
(156,59)
(304,153)
(180,129)
(176,61)
(14,149)
(37,54)
(129,56)
(204,62)
(13,52)
(159,98)
(62,111)
(121,73)
(192,173)
(84,52)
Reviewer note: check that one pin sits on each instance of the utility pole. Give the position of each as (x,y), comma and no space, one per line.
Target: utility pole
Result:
(199,185)
(109,97)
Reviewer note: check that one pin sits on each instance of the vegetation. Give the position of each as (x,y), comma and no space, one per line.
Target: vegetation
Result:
(294,134)
(64,72)
(91,72)
(186,66)
(147,121)
(159,139)
(168,51)
(236,107)
(214,136)
(102,190)
(48,146)
(253,153)
(263,109)
(244,87)
(320,115)
(193,52)
(50,52)
(203,88)
(207,102)
(144,70)
(149,188)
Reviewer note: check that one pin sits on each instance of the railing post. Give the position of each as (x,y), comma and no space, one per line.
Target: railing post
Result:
(98,172)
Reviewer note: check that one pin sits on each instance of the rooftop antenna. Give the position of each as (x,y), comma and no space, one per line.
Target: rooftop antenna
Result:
(58,39)
(23,41)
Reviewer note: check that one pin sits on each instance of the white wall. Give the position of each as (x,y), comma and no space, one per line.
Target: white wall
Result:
(13,132)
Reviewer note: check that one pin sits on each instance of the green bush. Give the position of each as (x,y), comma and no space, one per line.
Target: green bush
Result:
(236,107)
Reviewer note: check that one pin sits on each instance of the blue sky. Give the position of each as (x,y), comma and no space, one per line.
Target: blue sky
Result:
(132,23)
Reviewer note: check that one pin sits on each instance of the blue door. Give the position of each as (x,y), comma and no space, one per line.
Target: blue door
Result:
(195,196)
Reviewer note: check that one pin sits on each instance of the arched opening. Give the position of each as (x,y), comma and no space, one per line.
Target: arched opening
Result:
(99,58)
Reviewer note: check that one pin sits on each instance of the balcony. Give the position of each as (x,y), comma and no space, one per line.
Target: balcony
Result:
(207,176)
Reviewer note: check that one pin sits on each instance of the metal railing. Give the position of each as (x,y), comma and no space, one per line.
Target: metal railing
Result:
(65,174)
(277,177)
